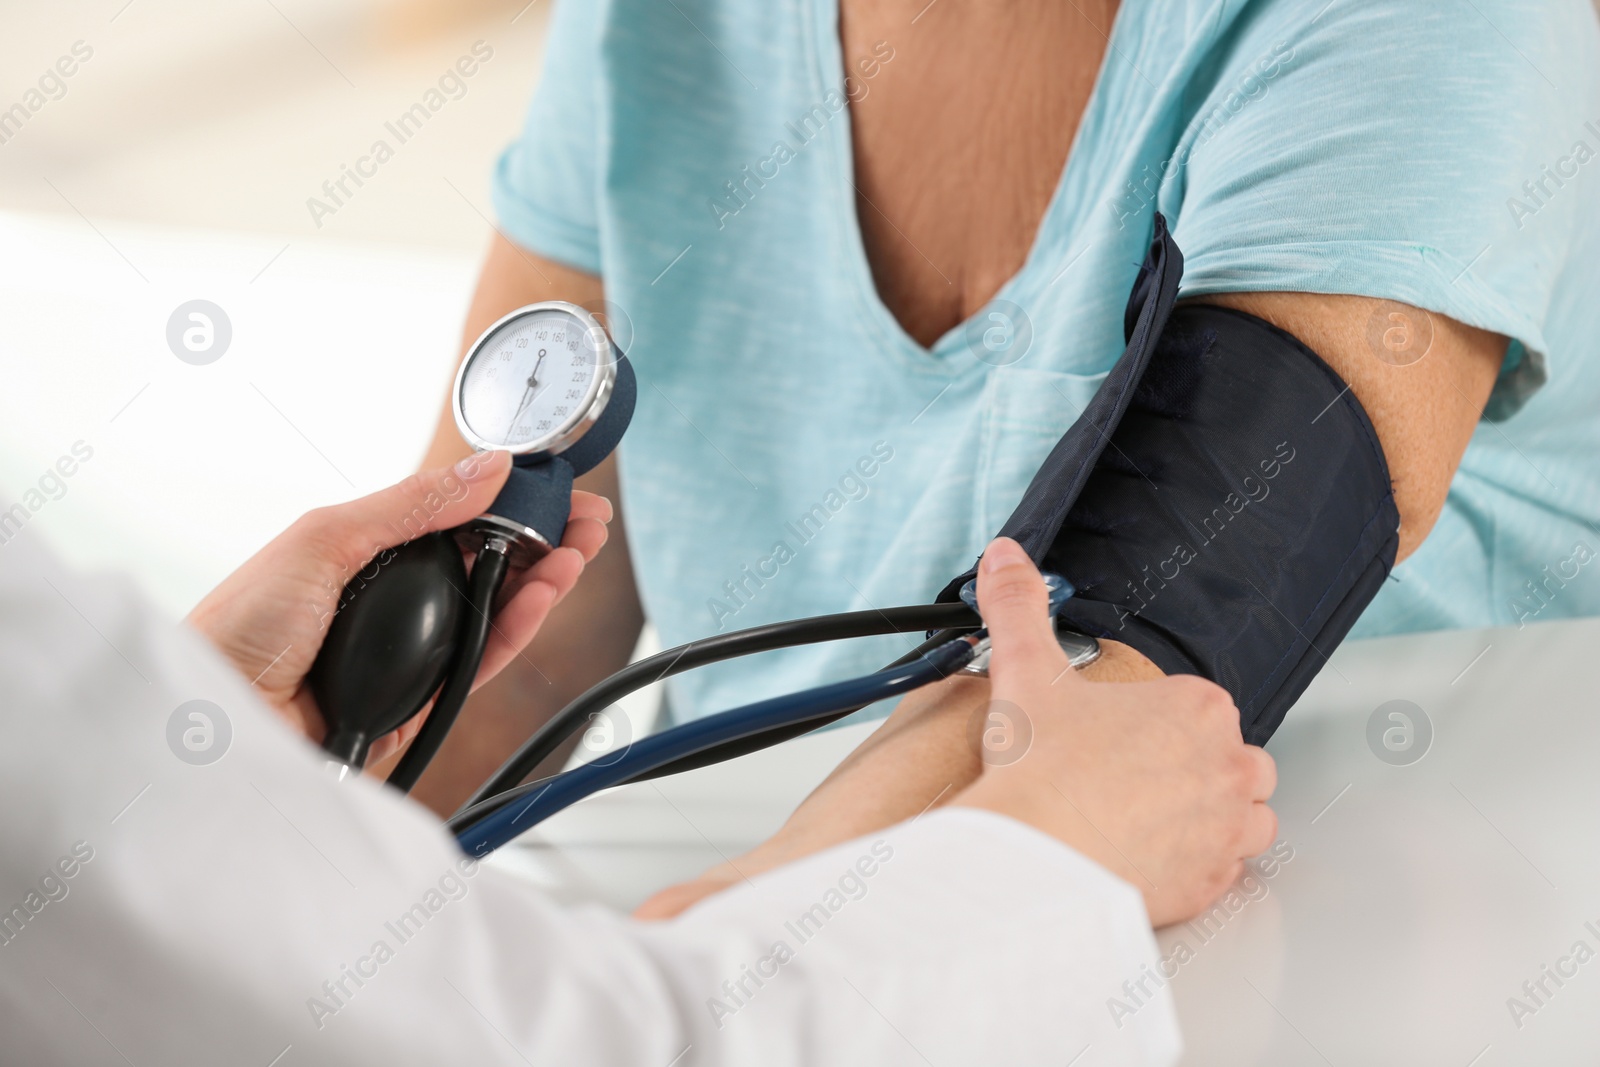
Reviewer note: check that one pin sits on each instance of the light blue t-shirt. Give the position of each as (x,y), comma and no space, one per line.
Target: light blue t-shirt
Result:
(795,452)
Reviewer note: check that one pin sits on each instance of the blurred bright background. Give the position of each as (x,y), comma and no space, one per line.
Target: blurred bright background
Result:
(175,163)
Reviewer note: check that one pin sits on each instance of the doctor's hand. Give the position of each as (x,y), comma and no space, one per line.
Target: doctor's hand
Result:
(270,616)
(1151,780)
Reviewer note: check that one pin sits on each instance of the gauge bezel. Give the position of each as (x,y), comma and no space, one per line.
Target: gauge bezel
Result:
(594,403)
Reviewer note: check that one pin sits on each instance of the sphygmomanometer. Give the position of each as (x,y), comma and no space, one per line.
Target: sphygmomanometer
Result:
(1222,506)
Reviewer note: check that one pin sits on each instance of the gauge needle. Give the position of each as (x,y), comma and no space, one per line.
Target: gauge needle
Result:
(527,395)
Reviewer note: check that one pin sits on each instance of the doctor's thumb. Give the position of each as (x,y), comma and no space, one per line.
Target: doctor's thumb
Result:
(436,499)
(1015,608)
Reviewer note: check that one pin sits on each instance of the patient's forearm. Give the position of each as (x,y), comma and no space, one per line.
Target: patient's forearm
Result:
(918,760)
(929,741)
(1424,407)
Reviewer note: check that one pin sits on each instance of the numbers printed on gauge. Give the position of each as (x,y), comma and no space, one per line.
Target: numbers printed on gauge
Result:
(534,379)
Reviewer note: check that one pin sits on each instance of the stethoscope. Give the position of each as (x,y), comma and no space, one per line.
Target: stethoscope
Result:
(547,384)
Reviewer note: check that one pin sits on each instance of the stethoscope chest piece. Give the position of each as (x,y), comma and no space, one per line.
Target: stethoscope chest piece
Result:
(1081,649)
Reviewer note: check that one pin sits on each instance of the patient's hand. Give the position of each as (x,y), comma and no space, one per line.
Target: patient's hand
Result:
(270,616)
(1150,764)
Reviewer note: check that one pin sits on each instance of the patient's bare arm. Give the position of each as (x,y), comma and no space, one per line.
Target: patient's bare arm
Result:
(1172,808)
(1424,413)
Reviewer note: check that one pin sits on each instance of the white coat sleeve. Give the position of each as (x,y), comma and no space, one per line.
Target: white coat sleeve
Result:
(183,890)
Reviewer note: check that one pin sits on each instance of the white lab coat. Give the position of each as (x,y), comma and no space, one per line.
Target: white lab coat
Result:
(253,911)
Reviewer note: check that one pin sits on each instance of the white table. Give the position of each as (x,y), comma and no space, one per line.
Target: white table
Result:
(1418,899)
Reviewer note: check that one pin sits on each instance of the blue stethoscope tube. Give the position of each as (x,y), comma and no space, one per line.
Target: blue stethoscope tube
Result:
(546,798)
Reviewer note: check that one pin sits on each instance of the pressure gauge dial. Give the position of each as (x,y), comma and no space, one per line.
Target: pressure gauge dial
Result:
(535,382)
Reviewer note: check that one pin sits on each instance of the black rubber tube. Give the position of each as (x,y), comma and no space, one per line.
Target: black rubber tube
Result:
(686,739)
(564,723)
(475,810)
(777,736)
(488,575)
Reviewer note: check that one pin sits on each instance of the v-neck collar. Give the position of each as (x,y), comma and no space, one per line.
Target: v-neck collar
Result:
(829,74)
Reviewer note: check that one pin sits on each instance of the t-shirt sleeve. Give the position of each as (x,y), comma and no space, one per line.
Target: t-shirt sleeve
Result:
(1426,155)
(545,182)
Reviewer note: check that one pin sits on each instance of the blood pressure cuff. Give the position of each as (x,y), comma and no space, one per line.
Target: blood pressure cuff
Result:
(1222,504)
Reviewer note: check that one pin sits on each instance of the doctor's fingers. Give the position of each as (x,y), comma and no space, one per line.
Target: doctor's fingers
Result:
(429,500)
(586,526)
(1260,830)
(446,497)
(529,597)
(1263,772)
(1015,607)
(587,505)
(586,533)
(524,610)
